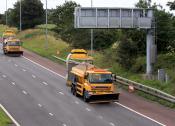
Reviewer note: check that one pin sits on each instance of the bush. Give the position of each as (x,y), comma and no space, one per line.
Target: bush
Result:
(140,65)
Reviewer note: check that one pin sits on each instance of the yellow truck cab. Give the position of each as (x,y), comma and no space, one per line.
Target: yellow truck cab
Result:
(7,34)
(92,83)
(12,45)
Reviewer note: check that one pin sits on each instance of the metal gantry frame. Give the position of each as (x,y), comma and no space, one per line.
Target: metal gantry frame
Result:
(119,18)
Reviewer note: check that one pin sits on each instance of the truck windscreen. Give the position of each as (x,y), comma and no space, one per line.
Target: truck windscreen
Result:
(100,78)
(13,43)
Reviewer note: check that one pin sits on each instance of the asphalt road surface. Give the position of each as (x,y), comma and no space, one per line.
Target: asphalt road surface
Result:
(37,97)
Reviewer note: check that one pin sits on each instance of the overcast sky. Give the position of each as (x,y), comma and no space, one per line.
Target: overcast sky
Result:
(87,3)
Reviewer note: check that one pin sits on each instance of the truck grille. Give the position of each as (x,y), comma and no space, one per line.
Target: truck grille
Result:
(104,88)
(14,49)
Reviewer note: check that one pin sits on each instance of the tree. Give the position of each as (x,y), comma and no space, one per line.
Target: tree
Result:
(143,4)
(32,14)
(63,17)
(1,19)
(171,5)
(126,53)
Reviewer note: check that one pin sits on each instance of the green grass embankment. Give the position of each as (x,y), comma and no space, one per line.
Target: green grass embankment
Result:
(4,120)
(35,41)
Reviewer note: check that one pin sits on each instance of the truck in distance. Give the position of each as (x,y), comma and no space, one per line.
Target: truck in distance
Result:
(7,34)
(12,45)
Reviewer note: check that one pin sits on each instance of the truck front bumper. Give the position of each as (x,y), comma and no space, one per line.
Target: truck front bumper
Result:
(103,97)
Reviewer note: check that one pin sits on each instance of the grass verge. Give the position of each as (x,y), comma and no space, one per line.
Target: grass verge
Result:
(4,119)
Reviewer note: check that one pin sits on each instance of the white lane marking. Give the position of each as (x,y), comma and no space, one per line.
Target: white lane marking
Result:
(116,103)
(112,124)
(87,109)
(45,68)
(100,117)
(64,124)
(9,115)
(76,102)
(4,76)
(24,92)
(24,70)
(140,114)
(45,83)
(50,114)
(16,65)
(33,76)
(13,83)
(40,105)
(61,93)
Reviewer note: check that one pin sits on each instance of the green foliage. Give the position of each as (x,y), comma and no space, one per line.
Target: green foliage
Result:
(165,30)
(143,4)
(34,40)
(140,65)
(104,38)
(32,14)
(171,5)
(49,26)
(126,53)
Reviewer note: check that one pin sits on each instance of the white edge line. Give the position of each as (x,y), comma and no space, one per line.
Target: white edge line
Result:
(140,114)
(9,115)
(115,102)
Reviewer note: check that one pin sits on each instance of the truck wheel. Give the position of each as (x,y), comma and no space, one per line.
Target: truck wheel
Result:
(73,90)
(4,52)
(85,97)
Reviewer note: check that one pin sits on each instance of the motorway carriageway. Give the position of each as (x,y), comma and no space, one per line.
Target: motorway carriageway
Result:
(36,96)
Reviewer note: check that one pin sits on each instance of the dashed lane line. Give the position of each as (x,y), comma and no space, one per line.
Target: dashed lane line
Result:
(33,76)
(51,114)
(88,109)
(40,105)
(24,92)
(13,83)
(111,124)
(45,83)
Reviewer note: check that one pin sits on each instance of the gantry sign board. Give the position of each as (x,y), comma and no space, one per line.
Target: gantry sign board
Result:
(87,17)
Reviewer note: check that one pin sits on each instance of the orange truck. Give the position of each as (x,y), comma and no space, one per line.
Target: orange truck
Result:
(12,45)
(7,34)
(87,80)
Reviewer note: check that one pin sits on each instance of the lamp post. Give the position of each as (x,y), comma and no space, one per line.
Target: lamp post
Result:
(6,13)
(20,17)
(92,33)
(46,41)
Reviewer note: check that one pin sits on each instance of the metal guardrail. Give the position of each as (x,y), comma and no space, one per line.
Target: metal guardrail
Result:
(140,87)
(146,89)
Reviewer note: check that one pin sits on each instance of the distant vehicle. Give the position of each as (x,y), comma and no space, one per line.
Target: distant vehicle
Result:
(86,80)
(7,34)
(12,45)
